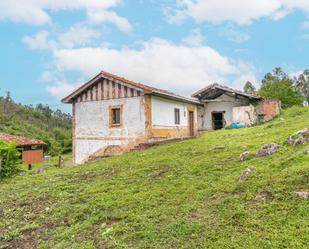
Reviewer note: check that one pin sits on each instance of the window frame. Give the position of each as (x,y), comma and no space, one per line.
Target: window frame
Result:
(112,117)
(177,116)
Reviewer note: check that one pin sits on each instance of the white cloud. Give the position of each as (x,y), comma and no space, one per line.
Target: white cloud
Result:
(60,89)
(194,39)
(77,35)
(36,12)
(99,16)
(39,41)
(234,35)
(242,12)
(179,68)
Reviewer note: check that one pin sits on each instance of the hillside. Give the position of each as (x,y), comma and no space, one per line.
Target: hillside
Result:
(180,195)
(40,122)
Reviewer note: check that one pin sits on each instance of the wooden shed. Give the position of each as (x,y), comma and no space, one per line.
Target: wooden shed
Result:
(31,149)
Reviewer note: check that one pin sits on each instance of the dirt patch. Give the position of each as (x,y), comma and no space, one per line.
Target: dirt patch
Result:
(30,237)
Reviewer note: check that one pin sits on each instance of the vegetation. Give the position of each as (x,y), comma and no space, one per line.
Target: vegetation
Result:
(278,85)
(302,83)
(40,122)
(180,195)
(249,88)
(9,159)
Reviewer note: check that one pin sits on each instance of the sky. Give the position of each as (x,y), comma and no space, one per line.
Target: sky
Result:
(50,47)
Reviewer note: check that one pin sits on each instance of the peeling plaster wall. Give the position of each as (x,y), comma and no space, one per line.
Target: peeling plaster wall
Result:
(92,131)
(246,114)
(225,103)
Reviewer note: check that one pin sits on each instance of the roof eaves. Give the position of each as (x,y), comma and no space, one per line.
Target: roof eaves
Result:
(227,89)
(175,97)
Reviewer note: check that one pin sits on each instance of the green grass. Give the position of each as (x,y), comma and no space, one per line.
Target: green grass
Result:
(53,162)
(180,195)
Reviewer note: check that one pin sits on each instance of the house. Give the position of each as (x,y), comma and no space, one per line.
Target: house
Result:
(112,115)
(31,149)
(218,104)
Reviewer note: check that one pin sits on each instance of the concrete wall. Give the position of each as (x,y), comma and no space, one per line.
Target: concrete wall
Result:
(224,104)
(246,114)
(93,134)
(163,120)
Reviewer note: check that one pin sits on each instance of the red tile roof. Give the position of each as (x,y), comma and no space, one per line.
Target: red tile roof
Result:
(20,141)
(147,89)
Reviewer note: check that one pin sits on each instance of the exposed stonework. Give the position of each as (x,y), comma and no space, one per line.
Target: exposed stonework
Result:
(267,150)
(269,109)
(244,156)
(246,173)
(302,194)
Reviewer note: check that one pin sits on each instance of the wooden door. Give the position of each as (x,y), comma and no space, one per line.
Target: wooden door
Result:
(191,123)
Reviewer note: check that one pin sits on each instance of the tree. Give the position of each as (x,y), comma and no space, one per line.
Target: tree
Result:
(278,85)
(249,88)
(302,84)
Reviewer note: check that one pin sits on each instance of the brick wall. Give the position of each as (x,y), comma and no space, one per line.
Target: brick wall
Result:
(269,108)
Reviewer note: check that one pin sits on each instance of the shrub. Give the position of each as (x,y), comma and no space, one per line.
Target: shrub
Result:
(10,158)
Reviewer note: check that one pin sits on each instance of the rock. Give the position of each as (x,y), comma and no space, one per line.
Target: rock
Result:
(290,141)
(306,152)
(246,173)
(267,149)
(265,196)
(38,171)
(304,195)
(299,137)
(244,156)
(218,148)
(21,172)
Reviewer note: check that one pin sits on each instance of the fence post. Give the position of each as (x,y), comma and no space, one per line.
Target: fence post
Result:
(60,161)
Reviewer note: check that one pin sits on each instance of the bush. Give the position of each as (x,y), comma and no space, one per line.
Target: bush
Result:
(10,158)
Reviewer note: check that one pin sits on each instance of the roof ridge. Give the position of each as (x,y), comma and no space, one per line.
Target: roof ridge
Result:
(148,89)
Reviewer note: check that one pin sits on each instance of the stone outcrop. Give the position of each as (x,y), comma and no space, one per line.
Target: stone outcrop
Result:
(244,156)
(246,173)
(267,150)
(303,194)
(299,137)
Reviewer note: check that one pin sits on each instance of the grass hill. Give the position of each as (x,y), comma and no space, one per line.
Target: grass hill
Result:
(180,195)
(41,122)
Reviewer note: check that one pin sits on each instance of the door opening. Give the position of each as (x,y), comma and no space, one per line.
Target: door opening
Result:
(217,120)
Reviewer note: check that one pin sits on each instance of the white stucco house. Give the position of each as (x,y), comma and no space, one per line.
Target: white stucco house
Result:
(112,115)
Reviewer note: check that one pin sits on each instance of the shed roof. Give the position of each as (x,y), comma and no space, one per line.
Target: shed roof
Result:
(118,79)
(215,90)
(19,140)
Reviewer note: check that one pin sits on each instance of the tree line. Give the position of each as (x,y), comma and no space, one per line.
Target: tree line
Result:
(279,85)
(40,122)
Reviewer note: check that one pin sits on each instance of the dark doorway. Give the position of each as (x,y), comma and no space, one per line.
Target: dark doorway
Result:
(217,120)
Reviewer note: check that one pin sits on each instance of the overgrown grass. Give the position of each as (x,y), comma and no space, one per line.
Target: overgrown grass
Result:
(181,195)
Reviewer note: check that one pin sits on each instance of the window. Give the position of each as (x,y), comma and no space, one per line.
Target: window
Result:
(177,116)
(115,116)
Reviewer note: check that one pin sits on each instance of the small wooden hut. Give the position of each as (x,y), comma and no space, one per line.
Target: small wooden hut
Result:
(31,149)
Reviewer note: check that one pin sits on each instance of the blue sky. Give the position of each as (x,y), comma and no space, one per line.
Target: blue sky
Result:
(50,47)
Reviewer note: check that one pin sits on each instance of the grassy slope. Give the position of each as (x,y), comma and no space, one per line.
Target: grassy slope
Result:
(182,195)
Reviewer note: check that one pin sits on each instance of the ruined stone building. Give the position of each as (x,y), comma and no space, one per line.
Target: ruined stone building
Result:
(112,115)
